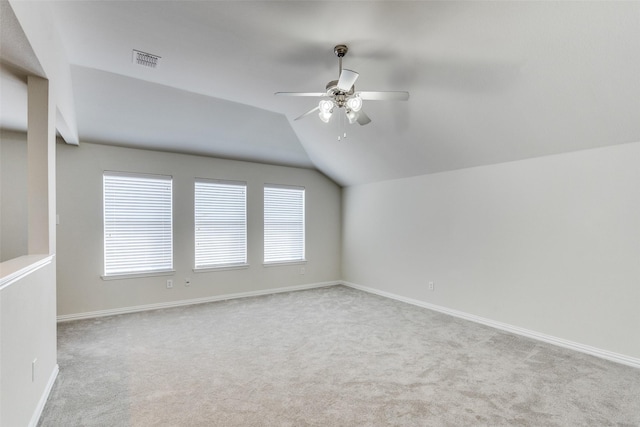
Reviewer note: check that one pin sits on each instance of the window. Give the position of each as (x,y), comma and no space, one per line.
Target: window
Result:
(283,224)
(220,223)
(138,229)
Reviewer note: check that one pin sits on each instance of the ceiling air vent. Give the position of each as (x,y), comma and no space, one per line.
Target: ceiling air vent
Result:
(145,59)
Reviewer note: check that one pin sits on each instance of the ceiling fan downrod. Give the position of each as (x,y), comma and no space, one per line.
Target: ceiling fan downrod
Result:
(340,51)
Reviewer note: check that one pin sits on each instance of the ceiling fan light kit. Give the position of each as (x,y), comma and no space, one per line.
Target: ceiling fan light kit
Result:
(341,93)
(355,103)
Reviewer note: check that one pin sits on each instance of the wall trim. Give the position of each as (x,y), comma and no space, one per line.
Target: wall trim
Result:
(37,413)
(179,303)
(561,342)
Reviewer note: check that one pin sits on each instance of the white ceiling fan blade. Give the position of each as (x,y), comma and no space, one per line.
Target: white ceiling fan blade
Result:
(347,79)
(307,113)
(363,119)
(384,96)
(316,94)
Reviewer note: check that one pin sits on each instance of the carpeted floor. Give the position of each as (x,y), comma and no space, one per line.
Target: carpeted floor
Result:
(325,357)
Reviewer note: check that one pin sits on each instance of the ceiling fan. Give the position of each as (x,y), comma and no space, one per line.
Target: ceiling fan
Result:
(341,93)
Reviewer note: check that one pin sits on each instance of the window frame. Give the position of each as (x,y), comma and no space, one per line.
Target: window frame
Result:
(165,220)
(227,265)
(272,261)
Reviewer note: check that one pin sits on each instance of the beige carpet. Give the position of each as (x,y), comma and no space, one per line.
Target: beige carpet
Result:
(325,357)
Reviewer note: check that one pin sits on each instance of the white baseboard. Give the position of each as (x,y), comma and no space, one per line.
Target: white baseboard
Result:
(43,399)
(146,307)
(593,351)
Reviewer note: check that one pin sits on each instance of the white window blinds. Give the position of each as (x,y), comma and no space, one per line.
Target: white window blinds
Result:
(220,223)
(283,224)
(138,229)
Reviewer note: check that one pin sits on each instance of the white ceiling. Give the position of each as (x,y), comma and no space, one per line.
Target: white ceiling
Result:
(489,81)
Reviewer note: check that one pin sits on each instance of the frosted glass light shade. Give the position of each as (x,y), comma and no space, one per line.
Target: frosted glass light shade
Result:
(325,116)
(355,103)
(352,116)
(325,106)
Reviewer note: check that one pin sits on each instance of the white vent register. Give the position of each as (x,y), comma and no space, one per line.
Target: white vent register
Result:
(145,59)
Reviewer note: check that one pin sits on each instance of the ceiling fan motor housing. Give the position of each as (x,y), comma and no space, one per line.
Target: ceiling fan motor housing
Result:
(339,97)
(333,90)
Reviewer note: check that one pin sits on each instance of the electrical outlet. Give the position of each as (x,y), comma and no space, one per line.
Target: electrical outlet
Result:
(187,281)
(431,286)
(169,284)
(302,270)
(33,370)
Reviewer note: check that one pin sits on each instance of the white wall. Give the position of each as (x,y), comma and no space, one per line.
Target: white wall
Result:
(27,334)
(28,283)
(550,244)
(13,195)
(80,241)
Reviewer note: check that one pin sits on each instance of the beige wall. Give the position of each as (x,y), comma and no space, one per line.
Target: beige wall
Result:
(550,244)
(13,195)
(80,241)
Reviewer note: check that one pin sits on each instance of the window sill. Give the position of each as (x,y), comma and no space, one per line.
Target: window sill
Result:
(221,268)
(138,275)
(279,263)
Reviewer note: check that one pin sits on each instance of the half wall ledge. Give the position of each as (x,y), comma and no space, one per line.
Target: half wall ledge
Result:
(15,269)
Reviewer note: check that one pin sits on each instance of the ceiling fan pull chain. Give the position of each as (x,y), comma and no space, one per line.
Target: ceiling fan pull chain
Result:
(344,131)
(344,125)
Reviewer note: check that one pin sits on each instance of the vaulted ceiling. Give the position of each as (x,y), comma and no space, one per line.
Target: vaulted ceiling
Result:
(490,82)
